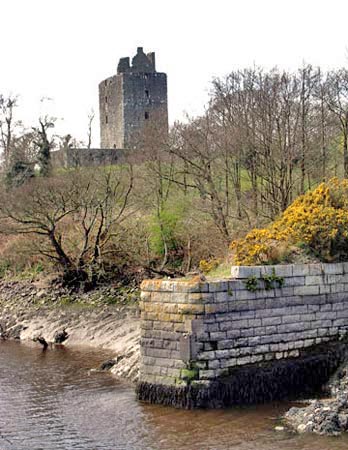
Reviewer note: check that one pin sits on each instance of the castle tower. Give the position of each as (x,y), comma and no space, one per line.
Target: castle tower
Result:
(130,100)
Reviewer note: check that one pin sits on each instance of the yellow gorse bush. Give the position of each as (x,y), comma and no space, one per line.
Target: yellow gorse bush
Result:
(317,220)
(207,266)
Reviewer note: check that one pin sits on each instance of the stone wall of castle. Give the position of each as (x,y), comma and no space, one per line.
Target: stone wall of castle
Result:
(144,102)
(83,157)
(111,112)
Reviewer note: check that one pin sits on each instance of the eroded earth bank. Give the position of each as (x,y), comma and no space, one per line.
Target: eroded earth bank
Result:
(106,318)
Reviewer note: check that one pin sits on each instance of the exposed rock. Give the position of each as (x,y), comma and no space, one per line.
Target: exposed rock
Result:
(3,334)
(60,336)
(14,332)
(41,340)
(110,363)
(106,365)
(327,416)
(41,294)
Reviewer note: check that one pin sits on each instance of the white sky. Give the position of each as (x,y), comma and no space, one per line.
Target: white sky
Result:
(62,49)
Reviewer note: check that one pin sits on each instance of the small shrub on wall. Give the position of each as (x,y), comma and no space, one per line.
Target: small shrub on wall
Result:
(315,224)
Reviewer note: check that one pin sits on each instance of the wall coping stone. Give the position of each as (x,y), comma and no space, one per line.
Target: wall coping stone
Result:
(196,285)
(289,270)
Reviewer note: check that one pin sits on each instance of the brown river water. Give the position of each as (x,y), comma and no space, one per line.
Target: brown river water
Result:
(51,401)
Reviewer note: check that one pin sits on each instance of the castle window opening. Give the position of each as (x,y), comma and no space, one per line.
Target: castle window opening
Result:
(147,93)
(106,119)
(106,99)
(146,115)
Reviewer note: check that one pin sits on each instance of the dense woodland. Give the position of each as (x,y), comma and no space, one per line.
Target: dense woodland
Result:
(264,139)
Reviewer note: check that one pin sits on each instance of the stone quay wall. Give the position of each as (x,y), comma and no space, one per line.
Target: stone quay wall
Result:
(196,332)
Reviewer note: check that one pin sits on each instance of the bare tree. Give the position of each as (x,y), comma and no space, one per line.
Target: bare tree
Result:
(156,173)
(7,105)
(76,214)
(336,98)
(91,117)
(276,127)
(198,158)
(308,80)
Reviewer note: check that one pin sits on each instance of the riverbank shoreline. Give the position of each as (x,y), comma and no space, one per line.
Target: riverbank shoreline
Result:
(108,318)
(105,318)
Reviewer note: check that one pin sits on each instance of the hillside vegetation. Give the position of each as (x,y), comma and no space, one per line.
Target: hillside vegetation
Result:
(267,140)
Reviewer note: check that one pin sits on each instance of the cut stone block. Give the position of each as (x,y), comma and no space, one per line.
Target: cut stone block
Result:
(243,272)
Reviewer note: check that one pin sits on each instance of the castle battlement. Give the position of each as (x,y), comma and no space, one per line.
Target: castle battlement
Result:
(141,63)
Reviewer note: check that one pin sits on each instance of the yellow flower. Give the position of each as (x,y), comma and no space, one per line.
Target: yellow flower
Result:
(318,218)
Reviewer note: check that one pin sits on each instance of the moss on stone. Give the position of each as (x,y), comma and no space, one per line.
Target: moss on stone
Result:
(189,375)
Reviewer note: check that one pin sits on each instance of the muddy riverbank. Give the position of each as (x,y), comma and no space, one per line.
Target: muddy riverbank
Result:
(107,318)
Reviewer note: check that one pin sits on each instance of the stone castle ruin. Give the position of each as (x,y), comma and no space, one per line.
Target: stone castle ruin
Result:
(131,100)
(127,100)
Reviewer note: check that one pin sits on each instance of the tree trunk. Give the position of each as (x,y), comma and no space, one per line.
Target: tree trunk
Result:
(345,147)
(62,256)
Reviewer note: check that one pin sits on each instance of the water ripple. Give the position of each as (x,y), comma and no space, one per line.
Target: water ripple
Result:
(51,401)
